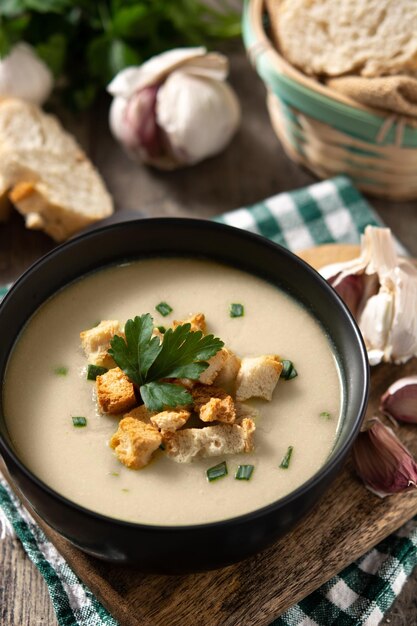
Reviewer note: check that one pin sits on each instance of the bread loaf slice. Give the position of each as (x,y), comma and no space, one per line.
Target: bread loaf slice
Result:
(45,174)
(365,37)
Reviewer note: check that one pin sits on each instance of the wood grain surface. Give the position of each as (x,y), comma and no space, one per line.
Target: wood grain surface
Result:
(252,168)
(344,524)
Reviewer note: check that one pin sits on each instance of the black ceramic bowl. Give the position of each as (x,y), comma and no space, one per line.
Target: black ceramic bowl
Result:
(184,548)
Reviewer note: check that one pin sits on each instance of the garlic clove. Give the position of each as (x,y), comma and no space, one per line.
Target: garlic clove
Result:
(382,461)
(402,338)
(376,319)
(350,289)
(400,400)
(24,75)
(199,115)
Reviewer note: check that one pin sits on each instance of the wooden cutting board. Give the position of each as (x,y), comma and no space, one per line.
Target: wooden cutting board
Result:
(347,522)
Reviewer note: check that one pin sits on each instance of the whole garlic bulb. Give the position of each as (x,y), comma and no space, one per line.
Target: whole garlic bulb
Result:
(24,75)
(176,109)
(381,290)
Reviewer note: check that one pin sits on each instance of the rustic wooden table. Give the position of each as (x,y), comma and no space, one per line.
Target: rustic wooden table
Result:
(252,168)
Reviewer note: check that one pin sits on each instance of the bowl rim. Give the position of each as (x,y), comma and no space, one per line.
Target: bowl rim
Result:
(332,460)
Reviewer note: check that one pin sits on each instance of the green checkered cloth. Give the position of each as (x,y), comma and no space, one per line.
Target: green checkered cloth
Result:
(330,211)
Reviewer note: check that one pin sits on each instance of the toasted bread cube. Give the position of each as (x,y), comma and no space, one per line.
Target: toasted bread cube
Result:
(140,413)
(215,365)
(115,392)
(257,377)
(219,410)
(197,321)
(134,442)
(170,421)
(96,342)
(203,393)
(228,373)
(186,445)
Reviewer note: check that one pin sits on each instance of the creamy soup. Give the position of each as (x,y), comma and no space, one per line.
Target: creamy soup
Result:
(78,462)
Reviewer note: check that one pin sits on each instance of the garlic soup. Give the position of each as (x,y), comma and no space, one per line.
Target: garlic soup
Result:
(295,431)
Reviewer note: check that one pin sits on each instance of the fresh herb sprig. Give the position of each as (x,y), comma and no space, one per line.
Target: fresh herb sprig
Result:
(148,363)
(86,43)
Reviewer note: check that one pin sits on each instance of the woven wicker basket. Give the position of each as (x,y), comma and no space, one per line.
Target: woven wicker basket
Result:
(330,133)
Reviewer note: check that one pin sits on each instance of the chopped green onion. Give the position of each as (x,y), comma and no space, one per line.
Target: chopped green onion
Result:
(244,472)
(217,471)
(163,308)
(237,310)
(326,415)
(79,422)
(161,329)
(285,463)
(61,370)
(288,370)
(95,370)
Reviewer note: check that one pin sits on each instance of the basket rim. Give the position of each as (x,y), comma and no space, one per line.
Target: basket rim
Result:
(255,11)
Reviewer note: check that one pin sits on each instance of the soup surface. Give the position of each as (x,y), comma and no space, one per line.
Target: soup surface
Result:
(78,463)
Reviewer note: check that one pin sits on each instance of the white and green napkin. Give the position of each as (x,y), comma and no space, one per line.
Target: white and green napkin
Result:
(327,212)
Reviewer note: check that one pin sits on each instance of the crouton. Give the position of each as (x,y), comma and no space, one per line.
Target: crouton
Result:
(170,421)
(203,393)
(228,373)
(140,413)
(185,445)
(134,442)
(115,392)
(96,341)
(217,410)
(197,321)
(215,365)
(257,377)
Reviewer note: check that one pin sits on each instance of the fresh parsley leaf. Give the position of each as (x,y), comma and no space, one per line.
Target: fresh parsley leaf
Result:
(159,396)
(136,354)
(79,422)
(184,354)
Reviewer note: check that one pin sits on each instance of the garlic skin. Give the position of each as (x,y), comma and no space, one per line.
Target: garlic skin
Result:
(24,75)
(382,461)
(400,400)
(381,291)
(192,114)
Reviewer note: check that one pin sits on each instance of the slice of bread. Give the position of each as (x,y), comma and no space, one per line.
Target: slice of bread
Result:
(365,37)
(45,173)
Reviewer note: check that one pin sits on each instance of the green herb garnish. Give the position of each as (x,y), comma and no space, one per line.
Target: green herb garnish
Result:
(164,309)
(237,310)
(288,370)
(244,472)
(182,354)
(285,463)
(95,370)
(79,422)
(161,329)
(61,370)
(126,490)
(114,473)
(326,415)
(217,471)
